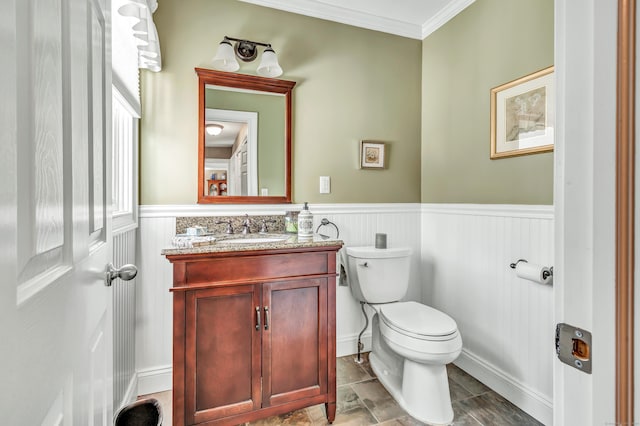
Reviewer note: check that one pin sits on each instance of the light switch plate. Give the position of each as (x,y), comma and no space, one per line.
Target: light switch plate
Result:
(325,184)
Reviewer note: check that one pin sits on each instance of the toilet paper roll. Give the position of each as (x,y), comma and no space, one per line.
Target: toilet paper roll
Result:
(532,272)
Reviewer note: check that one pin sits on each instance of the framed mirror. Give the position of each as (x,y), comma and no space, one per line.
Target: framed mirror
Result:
(244,138)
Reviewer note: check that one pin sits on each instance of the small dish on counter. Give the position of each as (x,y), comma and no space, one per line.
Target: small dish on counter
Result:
(190,241)
(196,230)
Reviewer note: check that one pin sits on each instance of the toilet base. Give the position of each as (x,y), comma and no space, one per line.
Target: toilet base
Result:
(426,388)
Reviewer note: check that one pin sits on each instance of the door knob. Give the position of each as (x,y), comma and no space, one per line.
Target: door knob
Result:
(125,273)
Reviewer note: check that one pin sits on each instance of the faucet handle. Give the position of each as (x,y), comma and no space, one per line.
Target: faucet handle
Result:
(246,225)
(263,228)
(229,227)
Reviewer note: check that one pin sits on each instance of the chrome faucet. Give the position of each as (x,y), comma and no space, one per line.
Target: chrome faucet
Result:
(229,227)
(246,225)
(263,228)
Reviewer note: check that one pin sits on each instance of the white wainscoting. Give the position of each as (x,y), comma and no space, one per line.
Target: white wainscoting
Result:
(153,304)
(506,322)
(460,266)
(124,308)
(358,224)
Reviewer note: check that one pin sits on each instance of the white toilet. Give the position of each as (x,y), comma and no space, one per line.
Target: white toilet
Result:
(417,341)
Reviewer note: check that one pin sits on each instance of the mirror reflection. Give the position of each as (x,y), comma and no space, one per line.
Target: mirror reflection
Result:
(244,138)
(230,166)
(251,168)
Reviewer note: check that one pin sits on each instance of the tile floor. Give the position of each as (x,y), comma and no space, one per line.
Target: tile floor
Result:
(362,400)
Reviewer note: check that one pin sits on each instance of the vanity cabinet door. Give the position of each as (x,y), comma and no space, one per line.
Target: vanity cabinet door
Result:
(294,340)
(222,347)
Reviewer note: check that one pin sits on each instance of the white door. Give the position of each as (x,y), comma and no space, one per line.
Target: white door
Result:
(584,198)
(233,177)
(55,226)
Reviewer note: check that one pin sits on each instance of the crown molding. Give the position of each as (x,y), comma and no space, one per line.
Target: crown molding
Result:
(369,21)
(444,16)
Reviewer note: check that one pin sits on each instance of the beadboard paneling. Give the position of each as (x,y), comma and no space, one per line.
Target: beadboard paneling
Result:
(460,266)
(153,301)
(358,225)
(506,322)
(124,300)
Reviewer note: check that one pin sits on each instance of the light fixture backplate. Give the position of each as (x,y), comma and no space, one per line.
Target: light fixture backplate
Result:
(245,50)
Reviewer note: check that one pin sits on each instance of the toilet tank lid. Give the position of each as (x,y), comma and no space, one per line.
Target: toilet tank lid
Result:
(375,253)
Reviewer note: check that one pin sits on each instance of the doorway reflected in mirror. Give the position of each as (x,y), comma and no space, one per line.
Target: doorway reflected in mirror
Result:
(231,157)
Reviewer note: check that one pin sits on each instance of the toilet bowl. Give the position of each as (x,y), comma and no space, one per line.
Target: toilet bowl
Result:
(411,342)
(420,333)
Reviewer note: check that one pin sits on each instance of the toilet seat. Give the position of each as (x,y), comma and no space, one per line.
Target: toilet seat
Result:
(418,321)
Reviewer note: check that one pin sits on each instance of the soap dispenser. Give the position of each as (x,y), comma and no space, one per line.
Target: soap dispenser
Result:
(305,222)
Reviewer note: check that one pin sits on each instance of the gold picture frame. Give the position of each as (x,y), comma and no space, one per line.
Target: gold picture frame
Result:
(523,115)
(372,155)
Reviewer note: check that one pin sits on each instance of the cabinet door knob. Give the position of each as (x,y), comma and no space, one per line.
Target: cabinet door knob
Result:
(258,318)
(266,317)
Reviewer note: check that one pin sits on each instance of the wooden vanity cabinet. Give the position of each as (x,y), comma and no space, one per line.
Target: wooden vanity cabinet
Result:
(254,334)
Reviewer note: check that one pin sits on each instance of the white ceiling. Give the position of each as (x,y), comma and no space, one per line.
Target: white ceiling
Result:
(408,18)
(227,137)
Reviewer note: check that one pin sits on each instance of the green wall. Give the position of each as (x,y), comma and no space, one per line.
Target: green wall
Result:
(428,100)
(490,43)
(352,84)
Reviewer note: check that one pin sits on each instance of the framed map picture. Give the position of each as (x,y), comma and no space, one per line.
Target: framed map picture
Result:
(523,115)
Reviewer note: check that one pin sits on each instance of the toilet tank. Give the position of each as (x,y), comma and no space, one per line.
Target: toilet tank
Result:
(378,275)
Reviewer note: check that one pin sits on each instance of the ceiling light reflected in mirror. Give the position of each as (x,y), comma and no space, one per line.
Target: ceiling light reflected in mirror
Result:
(214,129)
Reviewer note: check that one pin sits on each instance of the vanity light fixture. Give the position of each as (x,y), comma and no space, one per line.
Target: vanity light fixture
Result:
(214,129)
(246,51)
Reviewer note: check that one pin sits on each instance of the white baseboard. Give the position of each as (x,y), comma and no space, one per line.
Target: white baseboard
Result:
(535,404)
(539,406)
(155,380)
(348,345)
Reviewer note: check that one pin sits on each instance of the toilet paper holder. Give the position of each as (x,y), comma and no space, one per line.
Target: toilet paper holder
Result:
(545,274)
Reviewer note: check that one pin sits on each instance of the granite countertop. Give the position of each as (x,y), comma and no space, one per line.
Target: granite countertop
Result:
(285,241)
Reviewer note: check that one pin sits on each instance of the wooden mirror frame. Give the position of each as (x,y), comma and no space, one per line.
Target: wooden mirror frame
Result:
(246,82)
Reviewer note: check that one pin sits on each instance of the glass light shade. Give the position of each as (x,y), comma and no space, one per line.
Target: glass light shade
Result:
(269,66)
(225,59)
(214,129)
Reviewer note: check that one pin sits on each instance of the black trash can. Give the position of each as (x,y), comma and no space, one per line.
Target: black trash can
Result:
(144,412)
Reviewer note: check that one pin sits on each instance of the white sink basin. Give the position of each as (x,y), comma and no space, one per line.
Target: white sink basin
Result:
(256,240)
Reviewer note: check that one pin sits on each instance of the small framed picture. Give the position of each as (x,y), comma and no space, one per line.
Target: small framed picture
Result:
(523,115)
(372,155)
